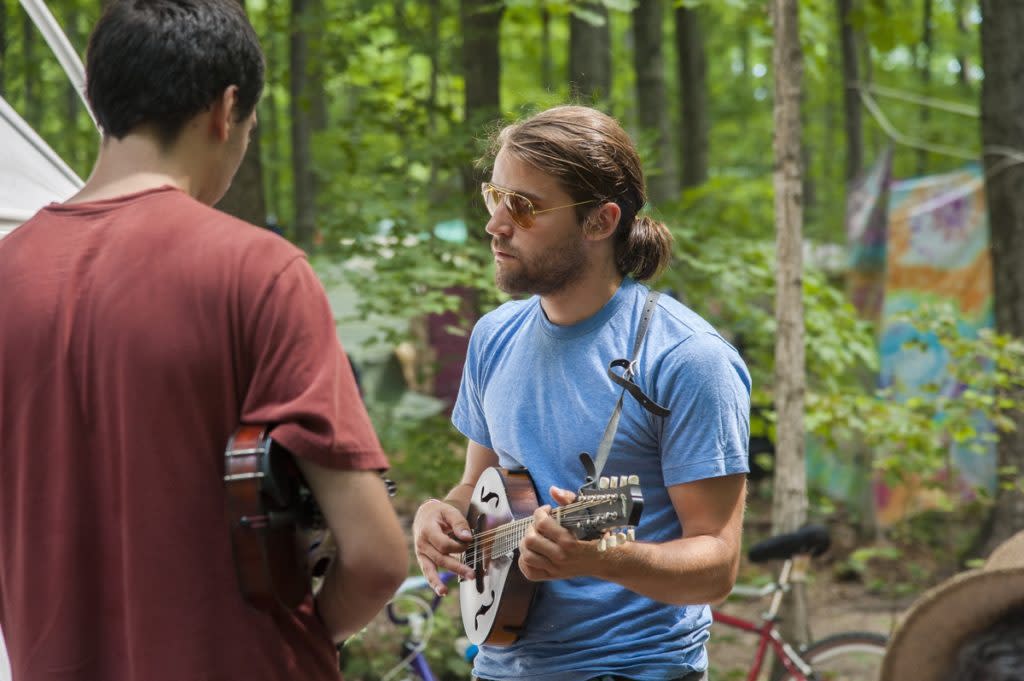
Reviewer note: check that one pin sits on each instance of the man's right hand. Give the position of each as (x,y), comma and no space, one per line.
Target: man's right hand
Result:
(440,532)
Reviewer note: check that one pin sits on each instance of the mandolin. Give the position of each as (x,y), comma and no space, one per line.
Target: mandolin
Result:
(496,602)
(278,535)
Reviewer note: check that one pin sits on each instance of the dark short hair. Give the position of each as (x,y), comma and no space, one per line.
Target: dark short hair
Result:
(996,653)
(594,160)
(162,62)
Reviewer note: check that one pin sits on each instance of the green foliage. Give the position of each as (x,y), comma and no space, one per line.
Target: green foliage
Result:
(912,436)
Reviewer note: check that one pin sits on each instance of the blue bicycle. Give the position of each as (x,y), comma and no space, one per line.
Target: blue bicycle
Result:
(413,607)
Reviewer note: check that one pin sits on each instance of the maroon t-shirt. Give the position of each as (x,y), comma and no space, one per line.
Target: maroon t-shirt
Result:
(135,335)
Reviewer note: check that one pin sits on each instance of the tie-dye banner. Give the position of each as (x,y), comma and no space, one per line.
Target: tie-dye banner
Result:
(936,251)
(867,206)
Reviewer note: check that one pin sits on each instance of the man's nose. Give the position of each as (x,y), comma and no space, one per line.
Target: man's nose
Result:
(501,223)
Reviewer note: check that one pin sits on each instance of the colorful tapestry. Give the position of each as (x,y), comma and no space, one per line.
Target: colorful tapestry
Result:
(937,250)
(867,204)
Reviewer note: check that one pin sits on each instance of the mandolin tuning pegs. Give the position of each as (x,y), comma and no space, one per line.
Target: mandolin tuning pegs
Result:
(631,534)
(623,480)
(634,480)
(602,545)
(602,483)
(613,482)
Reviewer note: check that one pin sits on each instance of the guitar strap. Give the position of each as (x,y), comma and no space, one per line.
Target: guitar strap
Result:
(625,379)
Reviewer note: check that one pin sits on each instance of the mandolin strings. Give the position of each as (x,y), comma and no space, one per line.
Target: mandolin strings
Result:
(503,540)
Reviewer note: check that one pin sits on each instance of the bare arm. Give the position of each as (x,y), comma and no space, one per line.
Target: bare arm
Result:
(371,556)
(700,567)
(437,522)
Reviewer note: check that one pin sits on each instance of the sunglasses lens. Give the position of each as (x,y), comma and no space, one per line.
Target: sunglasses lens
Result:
(491,199)
(520,209)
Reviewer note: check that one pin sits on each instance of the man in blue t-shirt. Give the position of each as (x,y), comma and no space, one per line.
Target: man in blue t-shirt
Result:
(564,198)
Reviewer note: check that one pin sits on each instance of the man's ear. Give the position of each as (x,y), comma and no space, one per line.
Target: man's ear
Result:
(222,113)
(601,223)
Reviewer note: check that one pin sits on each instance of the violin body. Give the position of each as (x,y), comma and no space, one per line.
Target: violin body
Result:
(273,519)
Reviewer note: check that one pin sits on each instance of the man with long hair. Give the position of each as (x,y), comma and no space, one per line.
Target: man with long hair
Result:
(566,198)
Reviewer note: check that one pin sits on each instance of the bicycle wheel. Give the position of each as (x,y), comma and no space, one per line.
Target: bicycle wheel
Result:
(850,656)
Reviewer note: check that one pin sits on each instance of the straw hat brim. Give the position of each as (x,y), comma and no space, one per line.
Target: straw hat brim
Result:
(925,643)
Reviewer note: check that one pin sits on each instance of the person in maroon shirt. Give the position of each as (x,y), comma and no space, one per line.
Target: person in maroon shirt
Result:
(140,327)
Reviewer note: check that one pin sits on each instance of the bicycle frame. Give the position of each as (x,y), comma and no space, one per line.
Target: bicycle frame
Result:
(412,657)
(768,633)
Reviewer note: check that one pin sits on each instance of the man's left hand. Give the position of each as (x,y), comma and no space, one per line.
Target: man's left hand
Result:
(550,551)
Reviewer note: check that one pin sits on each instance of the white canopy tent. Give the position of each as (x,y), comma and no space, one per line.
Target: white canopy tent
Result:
(31,174)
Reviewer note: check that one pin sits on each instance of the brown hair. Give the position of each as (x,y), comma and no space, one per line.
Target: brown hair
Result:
(594,159)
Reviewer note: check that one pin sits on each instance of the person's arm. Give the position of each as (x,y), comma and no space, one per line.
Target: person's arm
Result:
(371,557)
(700,567)
(437,522)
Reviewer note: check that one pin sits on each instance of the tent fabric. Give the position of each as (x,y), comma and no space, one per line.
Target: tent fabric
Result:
(31,174)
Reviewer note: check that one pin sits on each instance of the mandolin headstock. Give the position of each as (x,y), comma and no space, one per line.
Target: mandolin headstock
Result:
(608,510)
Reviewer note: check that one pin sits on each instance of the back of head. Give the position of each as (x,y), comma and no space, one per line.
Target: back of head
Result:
(594,159)
(993,654)
(162,62)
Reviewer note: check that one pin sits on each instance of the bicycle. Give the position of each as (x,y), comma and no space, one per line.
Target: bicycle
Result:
(411,608)
(846,656)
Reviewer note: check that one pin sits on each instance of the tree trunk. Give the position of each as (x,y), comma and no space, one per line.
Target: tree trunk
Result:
(31,73)
(851,98)
(590,54)
(3,50)
(963,77)
(547,78)
(693,93)
(653,113)
(925,69)
(245,199)
(302,117)
(481,68)
(271,129)
(1002,125)
(789,507)
(434,47)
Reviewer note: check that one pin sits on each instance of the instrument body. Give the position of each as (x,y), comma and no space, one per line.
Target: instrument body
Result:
(495,604)
(273,519)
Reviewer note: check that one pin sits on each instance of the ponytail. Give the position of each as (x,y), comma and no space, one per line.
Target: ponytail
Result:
(643,249)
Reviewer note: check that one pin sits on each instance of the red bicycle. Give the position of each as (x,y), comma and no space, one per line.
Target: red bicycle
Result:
(846,656)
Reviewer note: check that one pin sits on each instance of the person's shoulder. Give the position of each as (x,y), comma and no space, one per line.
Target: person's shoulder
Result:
(506,317)
(688,337)
(228,240)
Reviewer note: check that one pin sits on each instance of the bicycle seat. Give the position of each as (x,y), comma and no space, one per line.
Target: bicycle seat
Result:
(809,539)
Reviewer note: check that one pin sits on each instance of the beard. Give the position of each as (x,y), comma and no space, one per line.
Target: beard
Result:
(543,274)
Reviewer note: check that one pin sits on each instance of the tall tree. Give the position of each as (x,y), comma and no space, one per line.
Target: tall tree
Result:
(925,69)
(481,68)
(851,98)
(245,198)
(30,80)
(547,78)
(590,54)
(963,75)
(303,120)
(693,93)
(1002,127)
(789,503)
(653,114)
(3,48)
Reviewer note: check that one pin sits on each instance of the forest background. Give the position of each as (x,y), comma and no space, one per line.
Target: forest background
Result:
(375,113)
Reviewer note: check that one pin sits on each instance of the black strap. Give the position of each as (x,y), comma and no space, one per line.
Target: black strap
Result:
(628,386)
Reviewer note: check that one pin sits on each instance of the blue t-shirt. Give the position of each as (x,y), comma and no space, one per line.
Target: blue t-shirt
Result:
(538,394)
